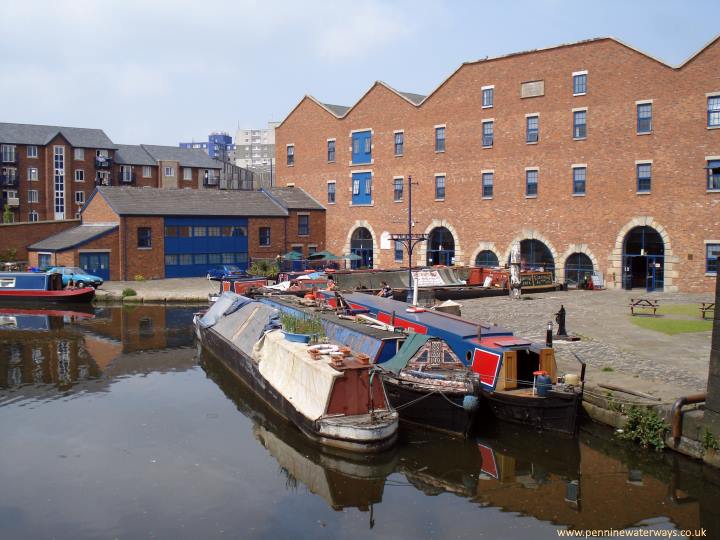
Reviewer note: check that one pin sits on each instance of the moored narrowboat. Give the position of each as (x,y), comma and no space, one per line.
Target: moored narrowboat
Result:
(40,288)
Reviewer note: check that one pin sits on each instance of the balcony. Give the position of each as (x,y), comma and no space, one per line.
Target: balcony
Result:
(127,178)
(8,180)
(102,162)
(13,202)
(103,180)
(211,181)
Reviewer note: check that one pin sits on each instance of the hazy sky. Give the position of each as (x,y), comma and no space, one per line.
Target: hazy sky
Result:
(162,71)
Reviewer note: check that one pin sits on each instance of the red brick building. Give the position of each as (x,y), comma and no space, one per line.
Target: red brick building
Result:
(594,155)
(159,233)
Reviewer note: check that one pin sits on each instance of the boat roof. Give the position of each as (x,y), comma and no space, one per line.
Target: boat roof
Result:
(432,319)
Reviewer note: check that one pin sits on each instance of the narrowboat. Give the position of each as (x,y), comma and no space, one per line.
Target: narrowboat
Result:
(518,378)
(334,402)
(425,381)
(40,288)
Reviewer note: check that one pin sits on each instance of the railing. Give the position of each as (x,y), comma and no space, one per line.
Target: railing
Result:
(103,181)
(211,181)
(7,180)
(102,162)
(127,178)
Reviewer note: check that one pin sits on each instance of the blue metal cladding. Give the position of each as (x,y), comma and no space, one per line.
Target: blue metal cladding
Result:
(361,147)
(194,244)
(362,188)
(96,264)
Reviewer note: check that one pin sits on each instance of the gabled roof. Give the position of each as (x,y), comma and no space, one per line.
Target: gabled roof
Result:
(134,201)
(186,157)
(294,198)
(41,135)
(417,99)
(133,154)
(72,237)
(337,110)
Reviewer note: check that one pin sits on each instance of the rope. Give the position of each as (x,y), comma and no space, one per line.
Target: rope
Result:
(414,401)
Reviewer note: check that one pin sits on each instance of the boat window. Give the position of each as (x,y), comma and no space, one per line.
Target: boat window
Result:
(448,358)
(7,283)
(422,358)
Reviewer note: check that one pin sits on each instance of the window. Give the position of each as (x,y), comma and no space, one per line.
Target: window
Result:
(398,189)
(228,258)
(579,84)
(144,238)
(399,249)
(187,173)
(487,133)
(126,174)
(79,154)
(580,124)
(200,231)
(185,259)
(169,171)
(714,111)
(79,175)
(33,216)
(226,230)
(488,96)
(440,139)
(439,187)
(213,231)
(44,260)
(487,185)
(532,133)
(713,175)
(644,177)
(331,151)
(531,183)
(644,117)
(80,197)
(214,258)
(264,235)
(32,174)
(33,196)
(32,151)
(239,231)
(361,146)
(399,143)
(290,154)
(7,283)
(303,225)
(579,177)
(712,254)
(146,171)
(331,193)
(7,153)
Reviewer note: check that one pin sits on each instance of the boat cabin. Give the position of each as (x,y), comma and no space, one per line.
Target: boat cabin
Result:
(30,281)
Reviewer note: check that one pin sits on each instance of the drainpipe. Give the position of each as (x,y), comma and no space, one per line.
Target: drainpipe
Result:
(676,413)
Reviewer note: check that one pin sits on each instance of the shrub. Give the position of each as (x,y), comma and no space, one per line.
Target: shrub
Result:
(709,441)
(8,255)
(128,292)
(645,427)
(139,277)
(262,267)
(302,325)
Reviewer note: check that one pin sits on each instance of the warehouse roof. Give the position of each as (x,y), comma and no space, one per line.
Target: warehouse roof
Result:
(42,135)
(294,198)
(73,237)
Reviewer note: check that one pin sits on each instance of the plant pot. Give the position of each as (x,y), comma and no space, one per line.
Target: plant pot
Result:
(346,351)
(362,358)
(297,338)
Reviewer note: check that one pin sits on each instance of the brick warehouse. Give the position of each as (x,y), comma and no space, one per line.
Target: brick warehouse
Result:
(159,233)
(594,155)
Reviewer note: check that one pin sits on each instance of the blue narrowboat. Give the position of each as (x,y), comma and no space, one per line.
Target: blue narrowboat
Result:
(40,288)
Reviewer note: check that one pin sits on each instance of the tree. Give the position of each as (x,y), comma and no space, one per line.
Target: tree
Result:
(7,214)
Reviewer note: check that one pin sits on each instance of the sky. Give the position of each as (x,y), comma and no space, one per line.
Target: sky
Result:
(165,71)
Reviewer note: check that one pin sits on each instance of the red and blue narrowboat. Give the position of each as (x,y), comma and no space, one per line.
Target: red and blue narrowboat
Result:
(40,288)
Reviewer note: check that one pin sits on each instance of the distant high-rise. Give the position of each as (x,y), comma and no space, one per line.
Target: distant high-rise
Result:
(218,146)
(255,148)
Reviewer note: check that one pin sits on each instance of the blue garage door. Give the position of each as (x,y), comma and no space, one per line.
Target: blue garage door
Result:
(96,264)
(193,245)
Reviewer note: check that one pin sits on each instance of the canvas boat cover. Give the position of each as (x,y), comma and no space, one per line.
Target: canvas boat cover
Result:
(227,303)
(306,383)
(411,346)
(397,279)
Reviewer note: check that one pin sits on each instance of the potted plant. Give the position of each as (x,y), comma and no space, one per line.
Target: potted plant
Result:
(301,329)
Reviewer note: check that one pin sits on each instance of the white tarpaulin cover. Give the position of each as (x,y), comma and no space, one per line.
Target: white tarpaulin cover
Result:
(288,367)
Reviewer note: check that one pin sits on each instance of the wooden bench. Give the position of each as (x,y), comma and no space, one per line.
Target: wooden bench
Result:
(706,307)
(645,304)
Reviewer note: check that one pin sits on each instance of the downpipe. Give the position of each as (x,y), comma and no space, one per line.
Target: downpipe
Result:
(676,413)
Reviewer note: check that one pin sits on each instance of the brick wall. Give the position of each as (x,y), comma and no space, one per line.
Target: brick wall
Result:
(71,257)
(99,211)
(282,239)
(20,235)
(148,262)
(679,207)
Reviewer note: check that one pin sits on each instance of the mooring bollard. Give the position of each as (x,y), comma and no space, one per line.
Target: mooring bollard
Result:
(548,334)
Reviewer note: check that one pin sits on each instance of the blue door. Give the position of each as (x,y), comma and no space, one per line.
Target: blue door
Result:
(362,188)
(96,264)
(361,147)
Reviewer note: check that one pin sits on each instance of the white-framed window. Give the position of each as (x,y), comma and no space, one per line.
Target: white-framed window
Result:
(32,151)
(488,96)
(7,153)
(79,154)
(80,197)
(187,173)
(147,172)
(169,171)
(33,216)
(33,196)
(79,175)
(33,174)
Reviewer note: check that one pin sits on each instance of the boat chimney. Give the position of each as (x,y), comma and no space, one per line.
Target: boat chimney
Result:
(548,335)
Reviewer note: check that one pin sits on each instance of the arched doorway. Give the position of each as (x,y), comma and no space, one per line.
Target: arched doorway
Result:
(441,247)
(487,258)
(361,244)
(577,267)
(535,255)
(643,259)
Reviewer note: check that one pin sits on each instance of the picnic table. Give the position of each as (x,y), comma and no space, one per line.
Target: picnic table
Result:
(707,307)
(644,304)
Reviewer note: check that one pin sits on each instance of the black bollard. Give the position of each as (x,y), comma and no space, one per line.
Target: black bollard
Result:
(560,320)
(548,335)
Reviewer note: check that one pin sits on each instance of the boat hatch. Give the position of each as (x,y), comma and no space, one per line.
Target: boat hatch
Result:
(519,366)
(351,393)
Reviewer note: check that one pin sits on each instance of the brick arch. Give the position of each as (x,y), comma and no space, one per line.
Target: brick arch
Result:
(376,243)
(531,234)
(615,258)
(485,246)
(574,248)
(435,223)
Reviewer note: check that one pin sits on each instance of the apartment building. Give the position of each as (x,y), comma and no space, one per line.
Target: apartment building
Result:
(595,156)
(219,145)
(255,148)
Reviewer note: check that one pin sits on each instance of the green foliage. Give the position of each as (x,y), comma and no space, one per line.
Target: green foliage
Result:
(263,267)
(709,441)
(645,427)
(302,325)
(672,326)
(7,214)
(607,369)
(128,292)
(8,255)
(139,277)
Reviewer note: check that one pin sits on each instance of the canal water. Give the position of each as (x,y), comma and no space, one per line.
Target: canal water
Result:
(114,425)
